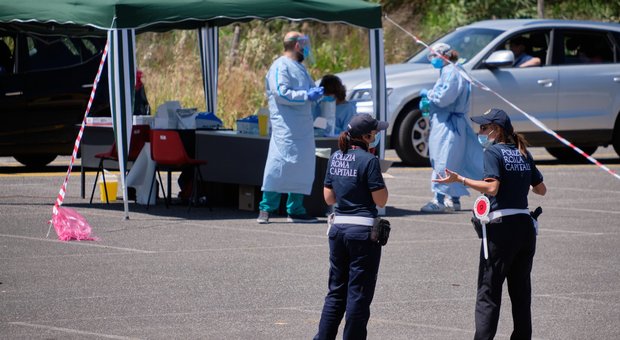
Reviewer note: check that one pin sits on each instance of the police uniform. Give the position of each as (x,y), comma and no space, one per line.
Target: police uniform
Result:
(511,243)
(354,259)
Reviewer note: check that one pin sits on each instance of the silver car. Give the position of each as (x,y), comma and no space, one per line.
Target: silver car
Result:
(575,91)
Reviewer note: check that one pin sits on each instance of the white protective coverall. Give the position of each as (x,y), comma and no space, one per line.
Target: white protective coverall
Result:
(453,144)
(291,161)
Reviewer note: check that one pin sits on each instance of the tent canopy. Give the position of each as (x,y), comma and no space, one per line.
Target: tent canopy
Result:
(120,20)
(92,16)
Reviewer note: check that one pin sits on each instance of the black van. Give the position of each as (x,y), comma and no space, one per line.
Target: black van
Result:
(45,84)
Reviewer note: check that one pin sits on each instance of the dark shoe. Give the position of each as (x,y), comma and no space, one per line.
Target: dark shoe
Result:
(305,218)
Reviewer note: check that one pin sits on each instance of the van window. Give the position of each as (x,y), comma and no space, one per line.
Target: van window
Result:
(586,47)
(7,46)
(57,52)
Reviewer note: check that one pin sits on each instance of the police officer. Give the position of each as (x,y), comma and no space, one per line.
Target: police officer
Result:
(354,183)
(509,172)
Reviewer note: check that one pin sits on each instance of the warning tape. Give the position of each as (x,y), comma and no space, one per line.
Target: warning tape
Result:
(63,188)
(483,87)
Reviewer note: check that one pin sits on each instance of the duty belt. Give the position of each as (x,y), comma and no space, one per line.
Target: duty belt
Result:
(506,212)
(359,220)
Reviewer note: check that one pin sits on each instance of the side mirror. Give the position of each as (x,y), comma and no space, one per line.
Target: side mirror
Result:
(502,58)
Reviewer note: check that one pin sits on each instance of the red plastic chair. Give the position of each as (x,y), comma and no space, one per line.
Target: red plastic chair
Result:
(139,136)
(168,153)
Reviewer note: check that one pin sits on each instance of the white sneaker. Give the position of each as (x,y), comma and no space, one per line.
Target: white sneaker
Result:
(263,217)
(450,205)
(433,207)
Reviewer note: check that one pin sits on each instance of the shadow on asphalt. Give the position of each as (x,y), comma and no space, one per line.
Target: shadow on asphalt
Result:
(34,170)
(176,210)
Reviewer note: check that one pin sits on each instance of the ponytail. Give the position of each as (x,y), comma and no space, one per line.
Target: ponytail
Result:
(521,143)
(344,141)
(514,138)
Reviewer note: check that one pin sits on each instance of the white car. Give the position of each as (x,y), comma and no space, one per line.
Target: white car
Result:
(575,91)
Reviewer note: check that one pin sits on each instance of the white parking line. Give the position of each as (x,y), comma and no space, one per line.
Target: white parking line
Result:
(77,243)
(71,331)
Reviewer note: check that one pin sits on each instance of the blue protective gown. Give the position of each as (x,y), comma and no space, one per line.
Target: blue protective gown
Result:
(452,142)
(290,162)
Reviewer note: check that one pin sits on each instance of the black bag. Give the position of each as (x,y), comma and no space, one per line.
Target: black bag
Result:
(477,226)
(380,232)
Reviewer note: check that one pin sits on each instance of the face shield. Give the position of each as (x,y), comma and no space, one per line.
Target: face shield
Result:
(438,49)
(305,47)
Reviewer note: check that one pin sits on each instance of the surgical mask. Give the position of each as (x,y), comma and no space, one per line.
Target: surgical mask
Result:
(328,98)
(374,143)
(485,141)
(437,62)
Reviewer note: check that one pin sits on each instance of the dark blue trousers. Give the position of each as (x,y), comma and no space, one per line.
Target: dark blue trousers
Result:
(512,244)
(354,264)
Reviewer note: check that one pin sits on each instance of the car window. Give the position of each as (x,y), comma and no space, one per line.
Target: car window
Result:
(586,47)
(529,48)
(7,46)
(56,52)
(467,42)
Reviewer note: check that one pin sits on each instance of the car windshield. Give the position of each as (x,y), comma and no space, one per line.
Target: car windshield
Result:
(468,42)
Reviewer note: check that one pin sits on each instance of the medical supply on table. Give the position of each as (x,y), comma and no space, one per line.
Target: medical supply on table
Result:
(248,125)
(208,120)
(186,118)
(263,121)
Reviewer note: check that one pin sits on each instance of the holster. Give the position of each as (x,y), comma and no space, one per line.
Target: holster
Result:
(380,231)
(477,226)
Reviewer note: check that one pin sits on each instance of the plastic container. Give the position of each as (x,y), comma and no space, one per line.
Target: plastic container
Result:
(111,184)
(263,122)
(248,125)
(328,111)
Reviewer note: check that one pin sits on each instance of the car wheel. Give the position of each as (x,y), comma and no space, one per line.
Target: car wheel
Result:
(412,147)
(616,139)
(568,155)
(35,161)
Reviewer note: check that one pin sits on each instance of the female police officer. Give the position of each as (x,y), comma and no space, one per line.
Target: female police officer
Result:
(353,181)
(509,171)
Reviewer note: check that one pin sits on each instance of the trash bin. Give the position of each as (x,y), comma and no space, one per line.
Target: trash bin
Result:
(111,184)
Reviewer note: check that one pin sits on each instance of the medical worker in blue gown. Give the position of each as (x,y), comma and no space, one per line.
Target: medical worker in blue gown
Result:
(452,142)
(345,110)
(290,162)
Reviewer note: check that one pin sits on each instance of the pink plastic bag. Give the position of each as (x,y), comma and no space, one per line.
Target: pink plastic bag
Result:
(70,225)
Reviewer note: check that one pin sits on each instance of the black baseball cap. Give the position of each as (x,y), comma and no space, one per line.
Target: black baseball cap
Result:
(364,123)
(495,116)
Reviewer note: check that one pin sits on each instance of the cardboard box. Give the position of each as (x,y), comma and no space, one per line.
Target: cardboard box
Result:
(249,197)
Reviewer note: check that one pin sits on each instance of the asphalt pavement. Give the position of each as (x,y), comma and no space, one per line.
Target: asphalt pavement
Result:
(217,274)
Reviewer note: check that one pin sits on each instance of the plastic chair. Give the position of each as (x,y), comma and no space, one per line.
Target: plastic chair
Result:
(168,153)
(139,136)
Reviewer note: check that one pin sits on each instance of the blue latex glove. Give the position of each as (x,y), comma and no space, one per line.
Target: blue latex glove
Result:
(315,93)
(423,92)
(424,106)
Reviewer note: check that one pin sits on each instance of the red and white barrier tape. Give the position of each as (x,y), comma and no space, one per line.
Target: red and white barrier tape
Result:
(483,87)
(63,188)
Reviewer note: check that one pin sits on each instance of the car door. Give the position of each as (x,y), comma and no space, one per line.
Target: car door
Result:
(532,89)
(58,72)
(11,92)
(589,82)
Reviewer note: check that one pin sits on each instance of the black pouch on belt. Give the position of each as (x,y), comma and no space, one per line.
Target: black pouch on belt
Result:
(380,232)
(477,226)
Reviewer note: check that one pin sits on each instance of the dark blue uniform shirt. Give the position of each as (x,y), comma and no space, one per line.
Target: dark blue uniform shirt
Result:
(354,176)
(515,174)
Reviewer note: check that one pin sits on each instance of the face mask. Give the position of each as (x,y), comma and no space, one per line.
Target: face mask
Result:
(484,140)
(328,98)
(374,143)
(437,62)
